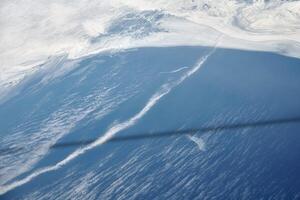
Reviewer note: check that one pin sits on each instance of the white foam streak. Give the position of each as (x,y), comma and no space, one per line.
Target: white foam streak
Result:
(174,71)
(198,141)
(164,90)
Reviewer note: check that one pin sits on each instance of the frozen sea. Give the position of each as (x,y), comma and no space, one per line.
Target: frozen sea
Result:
(148,90)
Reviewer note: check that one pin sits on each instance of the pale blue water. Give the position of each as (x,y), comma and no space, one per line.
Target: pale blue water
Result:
(231,86)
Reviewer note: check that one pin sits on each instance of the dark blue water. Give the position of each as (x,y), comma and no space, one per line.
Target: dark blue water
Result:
(232,86)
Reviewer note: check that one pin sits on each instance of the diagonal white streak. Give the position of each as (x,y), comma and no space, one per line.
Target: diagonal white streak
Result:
(164,90)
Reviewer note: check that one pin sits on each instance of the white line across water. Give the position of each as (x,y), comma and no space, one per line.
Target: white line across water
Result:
(111,132)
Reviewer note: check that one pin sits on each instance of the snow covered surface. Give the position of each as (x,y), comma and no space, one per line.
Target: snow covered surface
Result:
(32,32)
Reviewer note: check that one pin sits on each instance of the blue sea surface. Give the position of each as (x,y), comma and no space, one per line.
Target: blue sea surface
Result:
(104,90)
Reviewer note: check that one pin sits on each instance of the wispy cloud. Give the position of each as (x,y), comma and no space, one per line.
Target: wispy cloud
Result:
(33,31)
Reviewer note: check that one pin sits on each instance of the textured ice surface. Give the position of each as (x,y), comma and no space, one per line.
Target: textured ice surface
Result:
(32,32)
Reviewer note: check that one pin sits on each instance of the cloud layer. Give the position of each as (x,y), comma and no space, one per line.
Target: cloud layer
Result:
(33,31)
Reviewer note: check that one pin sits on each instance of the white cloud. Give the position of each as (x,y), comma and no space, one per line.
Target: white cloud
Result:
(33,31)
